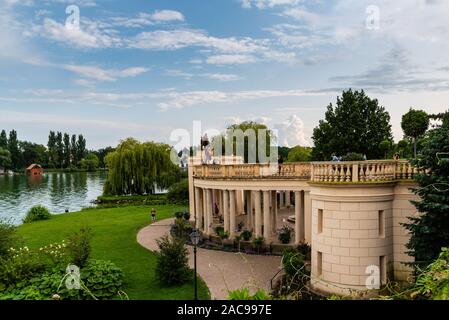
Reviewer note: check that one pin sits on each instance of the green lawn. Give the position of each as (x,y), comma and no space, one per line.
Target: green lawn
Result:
(114,239)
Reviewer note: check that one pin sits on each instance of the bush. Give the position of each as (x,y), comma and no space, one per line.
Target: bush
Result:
(103,279)
(246,235)
(352,156)
(178,191)
(293,263)
(172,261)
(78,247)
(244,294)
(285,234)
(8,238)
(181,229)
(37,213)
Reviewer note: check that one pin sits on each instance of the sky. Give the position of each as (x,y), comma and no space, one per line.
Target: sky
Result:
(143,68)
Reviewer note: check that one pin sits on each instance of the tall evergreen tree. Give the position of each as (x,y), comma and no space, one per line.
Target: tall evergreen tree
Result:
(81,148)
(52,152)
(356,124)
(3,140)
(73,150)
(67,151)
(14,150)
(5,159)
(430,230)
(60,149)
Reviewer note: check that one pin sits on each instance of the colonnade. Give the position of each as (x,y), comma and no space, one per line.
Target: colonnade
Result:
(255,210)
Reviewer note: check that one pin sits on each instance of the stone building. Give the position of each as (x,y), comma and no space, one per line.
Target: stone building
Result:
(350,213)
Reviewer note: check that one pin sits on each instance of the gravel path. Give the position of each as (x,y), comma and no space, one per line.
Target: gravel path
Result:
(222,271)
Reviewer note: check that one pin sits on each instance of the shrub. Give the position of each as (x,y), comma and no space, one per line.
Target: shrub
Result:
(285,234)
(103,279)
(244,294)
(78,247)
(305,250)
(8,238)
(293,263)
(219,230)
(179,191)
(246,235)
(172,261)
(181,229)
(352,156)
(37,213)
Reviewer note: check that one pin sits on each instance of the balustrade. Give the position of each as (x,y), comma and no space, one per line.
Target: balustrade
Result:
(354,171)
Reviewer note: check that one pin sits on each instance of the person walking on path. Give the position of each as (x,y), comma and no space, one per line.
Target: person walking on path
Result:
(153,215)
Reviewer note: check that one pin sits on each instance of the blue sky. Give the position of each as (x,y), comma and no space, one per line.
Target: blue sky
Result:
(144,68)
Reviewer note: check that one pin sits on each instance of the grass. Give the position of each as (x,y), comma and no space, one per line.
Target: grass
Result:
(114,239)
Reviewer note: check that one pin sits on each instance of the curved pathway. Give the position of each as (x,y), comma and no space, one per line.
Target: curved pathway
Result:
(222,271)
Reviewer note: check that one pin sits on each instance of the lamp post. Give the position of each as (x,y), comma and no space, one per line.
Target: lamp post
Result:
(195,238)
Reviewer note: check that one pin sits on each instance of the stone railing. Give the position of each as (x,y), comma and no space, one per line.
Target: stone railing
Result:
(354,171)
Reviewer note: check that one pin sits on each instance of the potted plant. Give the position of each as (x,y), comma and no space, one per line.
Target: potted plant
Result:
(246,235)
(285,234)
(223,236)
(258,243)
(240,226)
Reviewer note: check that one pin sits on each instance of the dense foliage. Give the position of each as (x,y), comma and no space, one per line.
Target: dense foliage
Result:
(178,192)
(37,213)
(79,246)
(172,261)
(430,230)
(414,124)
(41,274)
(8,237)
(356,124)
(62,152)
(250,145)
(138,168)
(245,294)
(300,154)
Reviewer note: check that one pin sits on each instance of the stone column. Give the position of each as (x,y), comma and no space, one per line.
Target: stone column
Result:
(204,212)
(220,197)
(239,201)
(199,208)
(226,210)
(273,211)
(266,216)
(232,210)
(258,214)
(299,217)
(307,217)
(249,210)
(287,199)
(209,213)
(281,200)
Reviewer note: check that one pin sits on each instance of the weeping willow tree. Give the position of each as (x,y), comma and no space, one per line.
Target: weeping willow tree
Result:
(137,168)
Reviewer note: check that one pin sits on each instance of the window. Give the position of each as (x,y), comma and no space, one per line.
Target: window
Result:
(383,269)
(320,221)
(319,263)
(382,224)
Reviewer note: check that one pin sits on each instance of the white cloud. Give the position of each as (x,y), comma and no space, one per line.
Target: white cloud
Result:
(100,74)
(167,15)
(291,132)
(262,4)
(230,59)
(222,76)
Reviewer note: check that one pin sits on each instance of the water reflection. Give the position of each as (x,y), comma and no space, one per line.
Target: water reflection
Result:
(56,191)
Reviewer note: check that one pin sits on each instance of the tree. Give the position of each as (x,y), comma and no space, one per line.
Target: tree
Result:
(5,159)
(80,148)
(52,150)
(13,147)
(33,153)
(102,153)
(172,266)
(385,146)
(357,124)
(414,124)
(248,148)
(90,162)
(283,152)
(60,149)
(73,150)
(67,151)
(300,154)
(137,168)
(3,140)
(430,230)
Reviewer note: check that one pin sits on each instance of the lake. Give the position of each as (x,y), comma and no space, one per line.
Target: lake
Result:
(56,191)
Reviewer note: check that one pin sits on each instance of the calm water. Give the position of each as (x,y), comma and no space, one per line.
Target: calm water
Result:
(56,191)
